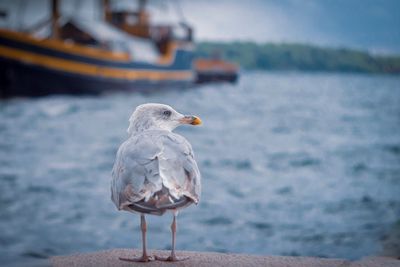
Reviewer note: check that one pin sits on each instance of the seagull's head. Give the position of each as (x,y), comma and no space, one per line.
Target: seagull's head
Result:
(158,116)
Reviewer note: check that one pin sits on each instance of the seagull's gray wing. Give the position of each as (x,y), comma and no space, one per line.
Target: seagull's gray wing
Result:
(135,174)
(178,169)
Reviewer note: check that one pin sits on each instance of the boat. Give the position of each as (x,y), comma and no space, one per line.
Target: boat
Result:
(206,70)
(211,70)
(80,56)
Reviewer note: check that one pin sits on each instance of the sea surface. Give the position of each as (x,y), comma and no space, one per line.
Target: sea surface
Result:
(292,164)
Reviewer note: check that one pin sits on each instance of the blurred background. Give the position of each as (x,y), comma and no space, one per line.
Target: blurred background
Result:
(300,147)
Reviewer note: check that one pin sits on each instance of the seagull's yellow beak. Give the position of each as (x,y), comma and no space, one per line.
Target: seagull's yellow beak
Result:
(193,120)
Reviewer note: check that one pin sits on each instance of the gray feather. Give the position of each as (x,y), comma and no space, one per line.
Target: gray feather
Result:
(150,162)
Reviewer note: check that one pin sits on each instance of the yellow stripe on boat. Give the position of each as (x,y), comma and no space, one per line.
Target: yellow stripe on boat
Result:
(90,69)
(62,46)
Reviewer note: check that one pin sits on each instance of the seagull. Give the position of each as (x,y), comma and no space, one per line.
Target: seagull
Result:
(155,170)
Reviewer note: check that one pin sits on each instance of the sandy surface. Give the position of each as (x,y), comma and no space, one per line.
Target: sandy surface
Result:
(110,258)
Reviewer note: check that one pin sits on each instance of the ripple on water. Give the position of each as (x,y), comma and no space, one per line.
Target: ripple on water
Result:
(218,221)
(40,189)
(9,178)
(281,130)
(261,225)
(51,110)
(236,192)
(284,190)
(304,161)
(206,163)
(36,254)
(359,168)
(365,202)
(283,161)
(394,149)
(237,164)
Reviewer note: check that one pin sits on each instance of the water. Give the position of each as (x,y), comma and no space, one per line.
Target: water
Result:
(292,164)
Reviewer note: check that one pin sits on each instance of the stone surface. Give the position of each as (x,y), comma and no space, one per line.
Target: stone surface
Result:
(110,258)
(376,262)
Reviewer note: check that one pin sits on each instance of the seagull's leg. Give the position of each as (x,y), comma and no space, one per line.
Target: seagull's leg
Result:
(172,257)
(144,257)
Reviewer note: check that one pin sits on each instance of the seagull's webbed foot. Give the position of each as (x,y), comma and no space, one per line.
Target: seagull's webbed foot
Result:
(143,258)
(172,257)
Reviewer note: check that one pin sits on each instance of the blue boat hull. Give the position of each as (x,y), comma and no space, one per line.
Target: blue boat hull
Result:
(32,67)
(17,79)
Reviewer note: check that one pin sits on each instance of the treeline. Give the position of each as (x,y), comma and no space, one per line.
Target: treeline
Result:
(299,57)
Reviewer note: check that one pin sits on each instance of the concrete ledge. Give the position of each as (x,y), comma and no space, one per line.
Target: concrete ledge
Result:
(110,258)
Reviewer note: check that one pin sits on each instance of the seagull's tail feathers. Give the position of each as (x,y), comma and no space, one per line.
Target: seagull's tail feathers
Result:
(159,203)
(141,207)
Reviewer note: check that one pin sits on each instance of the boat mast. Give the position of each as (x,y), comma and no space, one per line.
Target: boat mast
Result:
(107,11)
(55,15)
(143,16)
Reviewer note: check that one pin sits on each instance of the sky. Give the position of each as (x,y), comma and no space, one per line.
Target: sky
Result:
(372,25)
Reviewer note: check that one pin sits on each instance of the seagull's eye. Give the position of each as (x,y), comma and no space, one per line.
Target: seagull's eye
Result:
(167,113)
